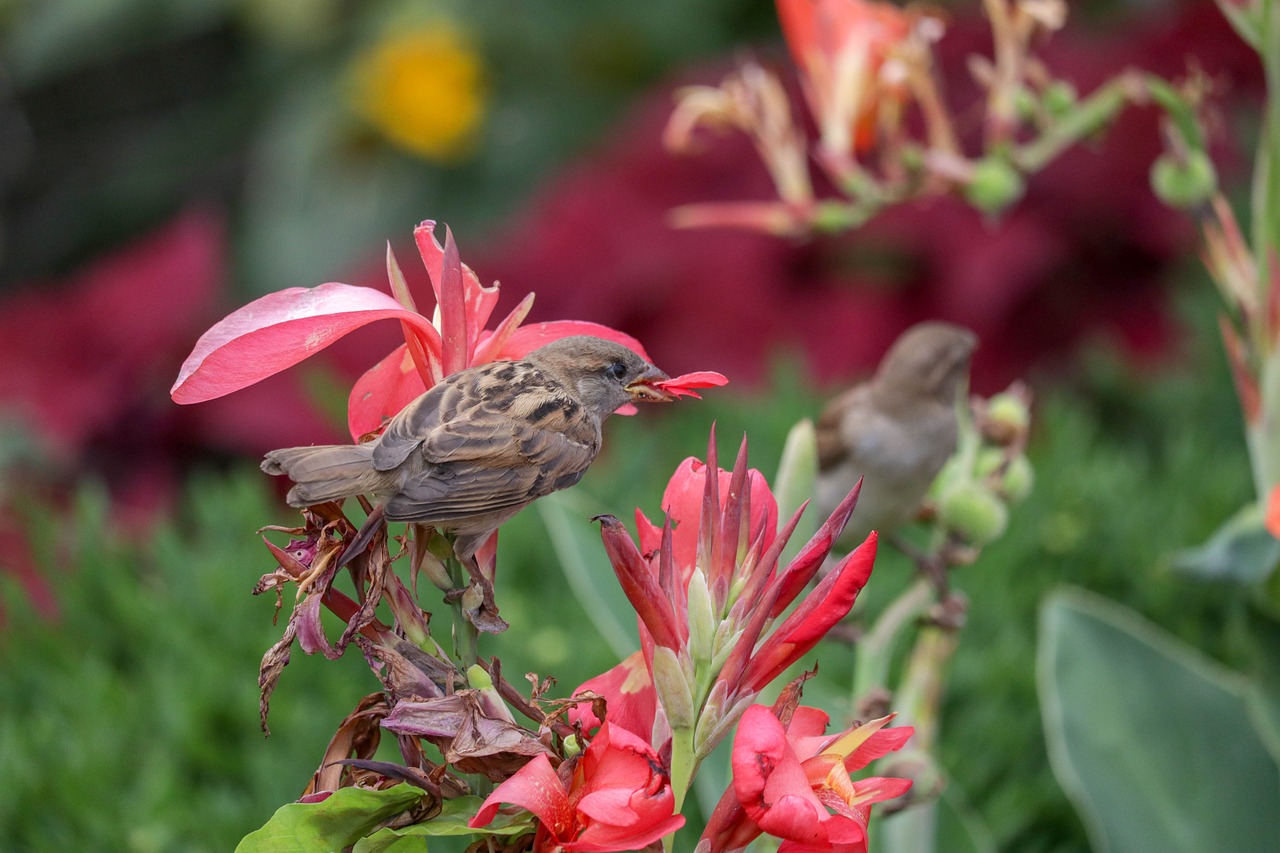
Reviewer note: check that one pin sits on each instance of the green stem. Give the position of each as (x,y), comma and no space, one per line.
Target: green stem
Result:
(875,648)
(1086,118)
(465,635)
(684,764)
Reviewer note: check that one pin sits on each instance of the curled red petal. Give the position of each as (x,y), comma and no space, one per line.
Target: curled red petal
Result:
(383,391)
(528,338)
(683,385)
(534,787)
(460,297)
(278,331)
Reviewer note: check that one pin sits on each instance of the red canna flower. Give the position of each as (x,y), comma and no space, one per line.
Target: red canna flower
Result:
(283,328)
(707,589)
(613,797)
(841,47)
(793,782)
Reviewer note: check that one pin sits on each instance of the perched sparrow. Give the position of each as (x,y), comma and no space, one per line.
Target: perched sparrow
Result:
(896,430)
(474,450)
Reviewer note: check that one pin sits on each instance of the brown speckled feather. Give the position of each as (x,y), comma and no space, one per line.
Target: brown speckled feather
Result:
(476,448)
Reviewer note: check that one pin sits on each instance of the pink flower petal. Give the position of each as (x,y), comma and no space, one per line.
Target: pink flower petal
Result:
(278,331)
(465,304)
(526,339)
(382,392)
(683,385)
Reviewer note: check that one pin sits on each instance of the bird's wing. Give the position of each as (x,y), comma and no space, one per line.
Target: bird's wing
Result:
(504,437)
(830,427)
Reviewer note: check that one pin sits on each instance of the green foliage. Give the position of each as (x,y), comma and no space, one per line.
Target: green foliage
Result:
(337,822)
(1153,741)
(129,723)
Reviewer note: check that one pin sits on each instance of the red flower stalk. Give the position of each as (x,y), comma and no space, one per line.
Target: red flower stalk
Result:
(706,587)
(792,781)
(614,797)
(283,328)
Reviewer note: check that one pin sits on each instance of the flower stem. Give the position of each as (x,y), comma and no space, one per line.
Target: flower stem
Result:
(684,763)
(465,634)
(875,648)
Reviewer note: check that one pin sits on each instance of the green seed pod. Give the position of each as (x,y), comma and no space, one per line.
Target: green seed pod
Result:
(1184,183)
(1018,479)
(973,511)
(994,185)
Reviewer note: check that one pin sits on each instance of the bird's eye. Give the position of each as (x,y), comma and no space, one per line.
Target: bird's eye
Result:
(617,370)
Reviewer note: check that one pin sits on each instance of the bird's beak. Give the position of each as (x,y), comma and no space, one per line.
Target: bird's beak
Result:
(642,389)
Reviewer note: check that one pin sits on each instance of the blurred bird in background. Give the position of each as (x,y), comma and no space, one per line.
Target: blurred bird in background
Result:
(896,430)
(478,447)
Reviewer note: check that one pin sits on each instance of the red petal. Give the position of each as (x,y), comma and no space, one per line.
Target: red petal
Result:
(639,584)
(628,690)
(682,385)
(535,787)
(278,331)
(382,392)
(826,605)
(526,339)
(462,299)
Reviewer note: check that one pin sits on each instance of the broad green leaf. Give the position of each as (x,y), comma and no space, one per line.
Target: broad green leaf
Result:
(582,559)
(345,817)
(452,820)
(1241,550)
(1151,740)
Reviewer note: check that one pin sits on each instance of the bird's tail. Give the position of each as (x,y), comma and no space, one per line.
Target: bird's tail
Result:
(325,473)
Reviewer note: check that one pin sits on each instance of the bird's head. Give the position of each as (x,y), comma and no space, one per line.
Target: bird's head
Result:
(604,374)
(929,359)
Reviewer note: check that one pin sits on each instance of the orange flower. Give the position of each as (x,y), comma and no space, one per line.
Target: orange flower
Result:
(841,48)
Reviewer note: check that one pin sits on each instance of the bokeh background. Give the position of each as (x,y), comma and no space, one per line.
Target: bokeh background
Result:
(165,161)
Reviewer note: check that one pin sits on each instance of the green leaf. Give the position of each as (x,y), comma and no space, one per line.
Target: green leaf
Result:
(337,822)
(452,820)
(1241,550)
(1151,740)
(582,558)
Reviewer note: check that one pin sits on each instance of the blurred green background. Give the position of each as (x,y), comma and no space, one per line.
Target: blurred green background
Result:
(164,162)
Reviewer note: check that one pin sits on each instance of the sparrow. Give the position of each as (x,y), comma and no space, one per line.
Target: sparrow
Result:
(485,442)
(896,430)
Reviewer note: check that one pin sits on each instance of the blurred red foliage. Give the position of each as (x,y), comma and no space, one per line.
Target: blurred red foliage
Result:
(1088,250)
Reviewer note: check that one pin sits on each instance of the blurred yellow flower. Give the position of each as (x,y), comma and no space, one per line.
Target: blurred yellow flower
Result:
(423,90)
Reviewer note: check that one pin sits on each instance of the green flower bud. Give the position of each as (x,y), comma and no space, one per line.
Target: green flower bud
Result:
(479,678)
(702,621)
(672,687)
(1018,479)
(1184,183)
(973,511)
(1025,103)
(994,185)
(1007,417)
(572,746)
(1058,97)
(1015,482)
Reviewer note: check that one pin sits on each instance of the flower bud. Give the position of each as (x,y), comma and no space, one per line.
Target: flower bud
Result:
(572,746)
(479,678)
(1058,97)
(702,621)
(1184,182)
(994,185)
(973,511)
(672,687)
(1007,417)
(1014,482)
